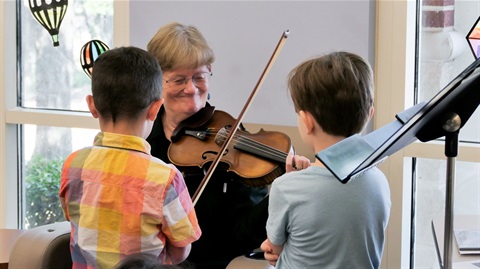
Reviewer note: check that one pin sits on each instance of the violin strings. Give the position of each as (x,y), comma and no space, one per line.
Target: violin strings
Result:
(266,148)
(246,141)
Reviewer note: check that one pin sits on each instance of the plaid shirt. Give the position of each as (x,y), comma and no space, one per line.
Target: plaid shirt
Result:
(120,200)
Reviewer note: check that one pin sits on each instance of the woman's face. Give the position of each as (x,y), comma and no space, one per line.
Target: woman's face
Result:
(185,91)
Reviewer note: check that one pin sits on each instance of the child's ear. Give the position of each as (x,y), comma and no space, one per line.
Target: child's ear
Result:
(153,109)
(308,121)
(371,113)
(91,106)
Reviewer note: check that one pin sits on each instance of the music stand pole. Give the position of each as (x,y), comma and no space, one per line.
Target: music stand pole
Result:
(452,126)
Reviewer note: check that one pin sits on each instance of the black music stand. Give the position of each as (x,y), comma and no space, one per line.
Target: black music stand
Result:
(444,115)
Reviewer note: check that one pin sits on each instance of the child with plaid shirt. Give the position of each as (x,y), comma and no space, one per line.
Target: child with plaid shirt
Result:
(119,199)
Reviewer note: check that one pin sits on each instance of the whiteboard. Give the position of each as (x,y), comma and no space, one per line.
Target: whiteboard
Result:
(243,35)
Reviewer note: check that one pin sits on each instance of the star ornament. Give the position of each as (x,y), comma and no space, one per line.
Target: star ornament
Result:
(473,39)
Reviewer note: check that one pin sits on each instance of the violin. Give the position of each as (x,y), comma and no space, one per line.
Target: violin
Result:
(255,159)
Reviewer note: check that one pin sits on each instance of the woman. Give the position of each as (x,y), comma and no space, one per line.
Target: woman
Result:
(231,215)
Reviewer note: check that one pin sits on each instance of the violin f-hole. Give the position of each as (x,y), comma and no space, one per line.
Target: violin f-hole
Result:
(206,153)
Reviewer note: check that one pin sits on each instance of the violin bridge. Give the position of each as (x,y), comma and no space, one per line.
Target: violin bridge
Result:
(221,136)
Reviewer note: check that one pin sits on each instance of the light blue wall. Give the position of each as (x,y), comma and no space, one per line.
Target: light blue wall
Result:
(243,35)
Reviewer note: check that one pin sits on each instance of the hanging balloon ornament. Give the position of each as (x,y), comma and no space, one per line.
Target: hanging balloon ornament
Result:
(49,15)
(89,53)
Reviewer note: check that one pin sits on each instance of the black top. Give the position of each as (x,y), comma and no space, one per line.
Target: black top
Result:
(232,223)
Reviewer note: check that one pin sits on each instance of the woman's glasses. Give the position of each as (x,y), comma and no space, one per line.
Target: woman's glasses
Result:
(199,80)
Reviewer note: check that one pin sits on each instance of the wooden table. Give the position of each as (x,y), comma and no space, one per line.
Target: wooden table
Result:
(7,239)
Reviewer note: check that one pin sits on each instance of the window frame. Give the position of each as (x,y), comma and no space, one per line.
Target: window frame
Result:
(394,53)
(11,115)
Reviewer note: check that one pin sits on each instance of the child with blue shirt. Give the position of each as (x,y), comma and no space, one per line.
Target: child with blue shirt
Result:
(314,220)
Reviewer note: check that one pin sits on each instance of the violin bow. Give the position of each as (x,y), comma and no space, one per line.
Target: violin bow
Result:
(234,129)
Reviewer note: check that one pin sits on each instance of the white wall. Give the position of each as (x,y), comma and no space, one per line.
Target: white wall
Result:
(243,35)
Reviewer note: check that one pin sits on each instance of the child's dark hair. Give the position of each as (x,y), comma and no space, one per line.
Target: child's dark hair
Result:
(125,81)
(337,89)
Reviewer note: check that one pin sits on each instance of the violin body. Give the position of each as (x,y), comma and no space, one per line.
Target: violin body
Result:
(255,159)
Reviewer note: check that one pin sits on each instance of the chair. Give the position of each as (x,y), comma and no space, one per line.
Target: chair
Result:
(242,262)
(48,247)
(43,247)
(253,260)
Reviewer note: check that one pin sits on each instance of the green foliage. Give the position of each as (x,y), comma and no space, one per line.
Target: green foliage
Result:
(42,182)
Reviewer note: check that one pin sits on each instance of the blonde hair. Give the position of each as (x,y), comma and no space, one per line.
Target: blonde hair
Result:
(180,46)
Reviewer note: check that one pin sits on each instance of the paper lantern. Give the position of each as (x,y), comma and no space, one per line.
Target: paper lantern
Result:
(49,15)
(89,53)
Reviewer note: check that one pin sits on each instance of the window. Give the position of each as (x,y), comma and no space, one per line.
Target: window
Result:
(430,202)
(45,109)
(443,53)
(417,172)
(52,78)
(41,167)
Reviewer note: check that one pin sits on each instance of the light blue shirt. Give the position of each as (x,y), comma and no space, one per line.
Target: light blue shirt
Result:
(323,223)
